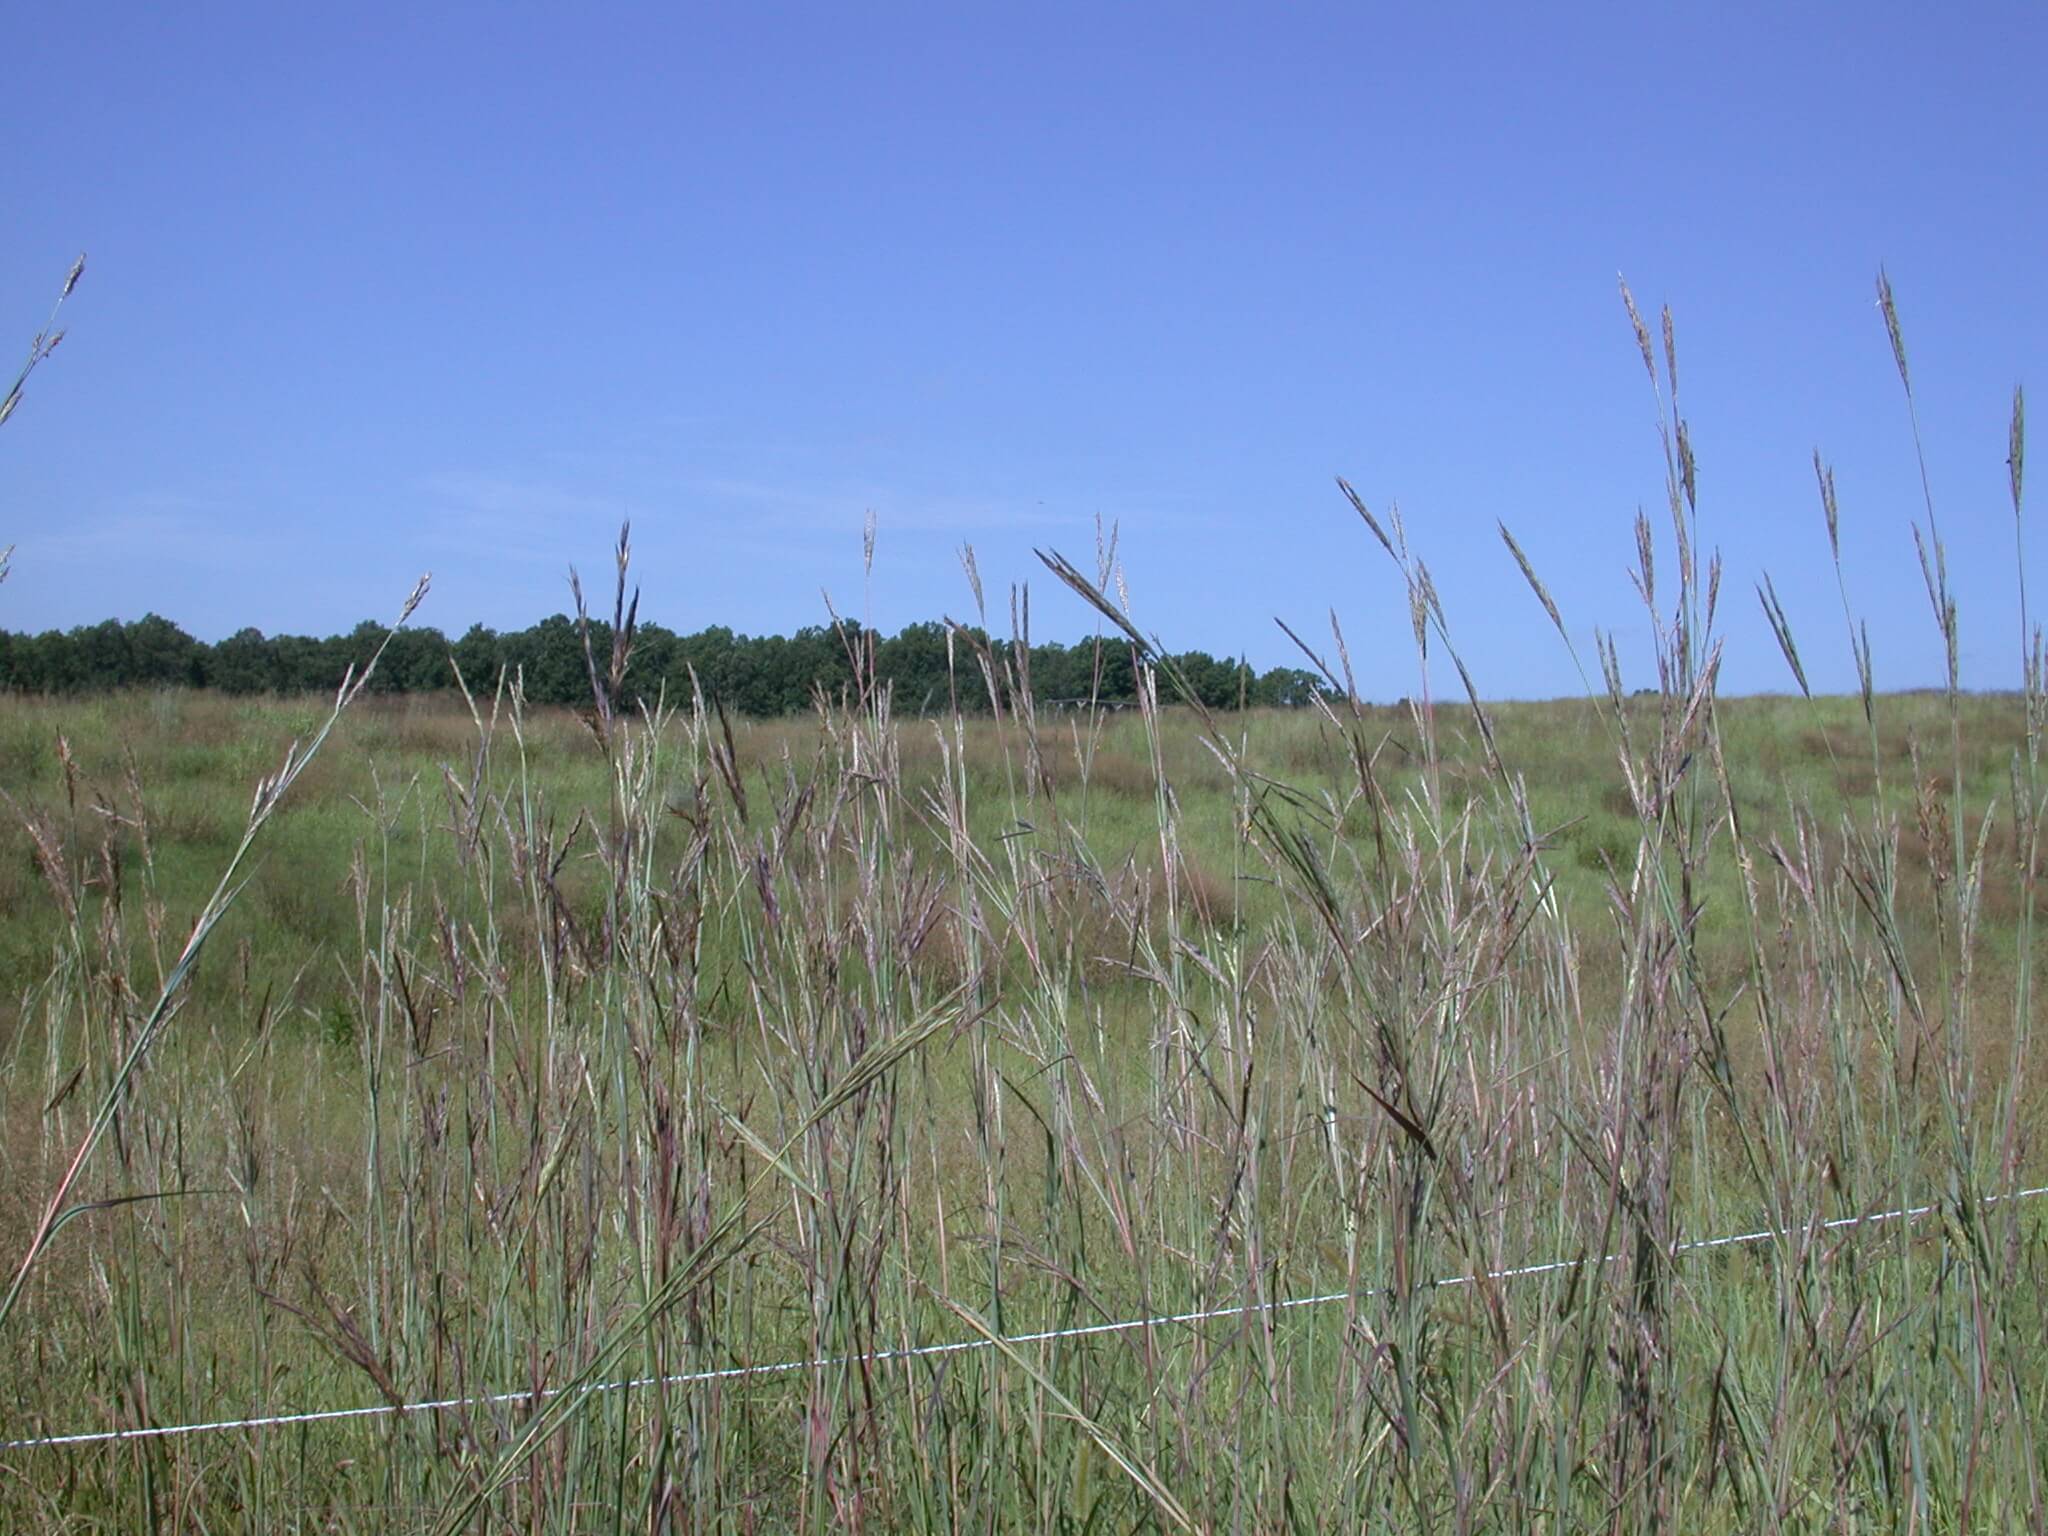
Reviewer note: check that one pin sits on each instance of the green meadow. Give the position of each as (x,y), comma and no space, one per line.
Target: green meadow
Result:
(538,1052)
(448,1112)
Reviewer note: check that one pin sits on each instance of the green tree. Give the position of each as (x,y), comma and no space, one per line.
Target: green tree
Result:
(162,654)
(913,664)
(245,662)
(550,656)
(416,661)
(655,659)
(306,665)
(714,655)
(100,655)
(1287,688)
(479,654)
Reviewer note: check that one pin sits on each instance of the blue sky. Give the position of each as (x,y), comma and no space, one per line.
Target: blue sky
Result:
(375,290)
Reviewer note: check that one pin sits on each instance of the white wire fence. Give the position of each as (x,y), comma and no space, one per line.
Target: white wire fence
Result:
(949,1347)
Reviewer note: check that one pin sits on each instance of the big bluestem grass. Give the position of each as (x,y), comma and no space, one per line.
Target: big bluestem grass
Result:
(672,1044)
(41,345)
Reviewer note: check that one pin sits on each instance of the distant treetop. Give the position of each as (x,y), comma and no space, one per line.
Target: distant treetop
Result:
(761,675)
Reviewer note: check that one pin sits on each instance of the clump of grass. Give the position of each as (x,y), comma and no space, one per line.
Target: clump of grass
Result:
(66,884)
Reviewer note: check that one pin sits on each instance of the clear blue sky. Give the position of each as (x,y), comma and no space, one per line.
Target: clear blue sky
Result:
(380,289)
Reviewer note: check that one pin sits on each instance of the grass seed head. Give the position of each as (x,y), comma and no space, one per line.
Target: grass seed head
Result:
(1890,309)
(2015,456)
(1635,320)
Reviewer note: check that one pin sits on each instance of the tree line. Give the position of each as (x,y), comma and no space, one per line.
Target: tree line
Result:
(757,675)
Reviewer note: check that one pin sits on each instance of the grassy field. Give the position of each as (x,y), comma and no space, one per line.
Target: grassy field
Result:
(1065,1122)
(160,784)
(532,1055)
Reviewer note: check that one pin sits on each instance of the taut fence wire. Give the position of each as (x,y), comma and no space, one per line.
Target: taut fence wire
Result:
(949,1347)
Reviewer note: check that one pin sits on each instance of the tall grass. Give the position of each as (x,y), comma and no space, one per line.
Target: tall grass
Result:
(41,345)
(828,1045)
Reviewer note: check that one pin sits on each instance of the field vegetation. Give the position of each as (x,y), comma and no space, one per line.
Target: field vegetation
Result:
(1301,1120)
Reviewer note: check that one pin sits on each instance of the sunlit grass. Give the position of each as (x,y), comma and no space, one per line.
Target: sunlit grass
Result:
(540,1051)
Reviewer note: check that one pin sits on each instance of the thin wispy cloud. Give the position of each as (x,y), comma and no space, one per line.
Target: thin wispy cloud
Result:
(536,515)
(988,292)
(801,506)
(150,528)
(516,517)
